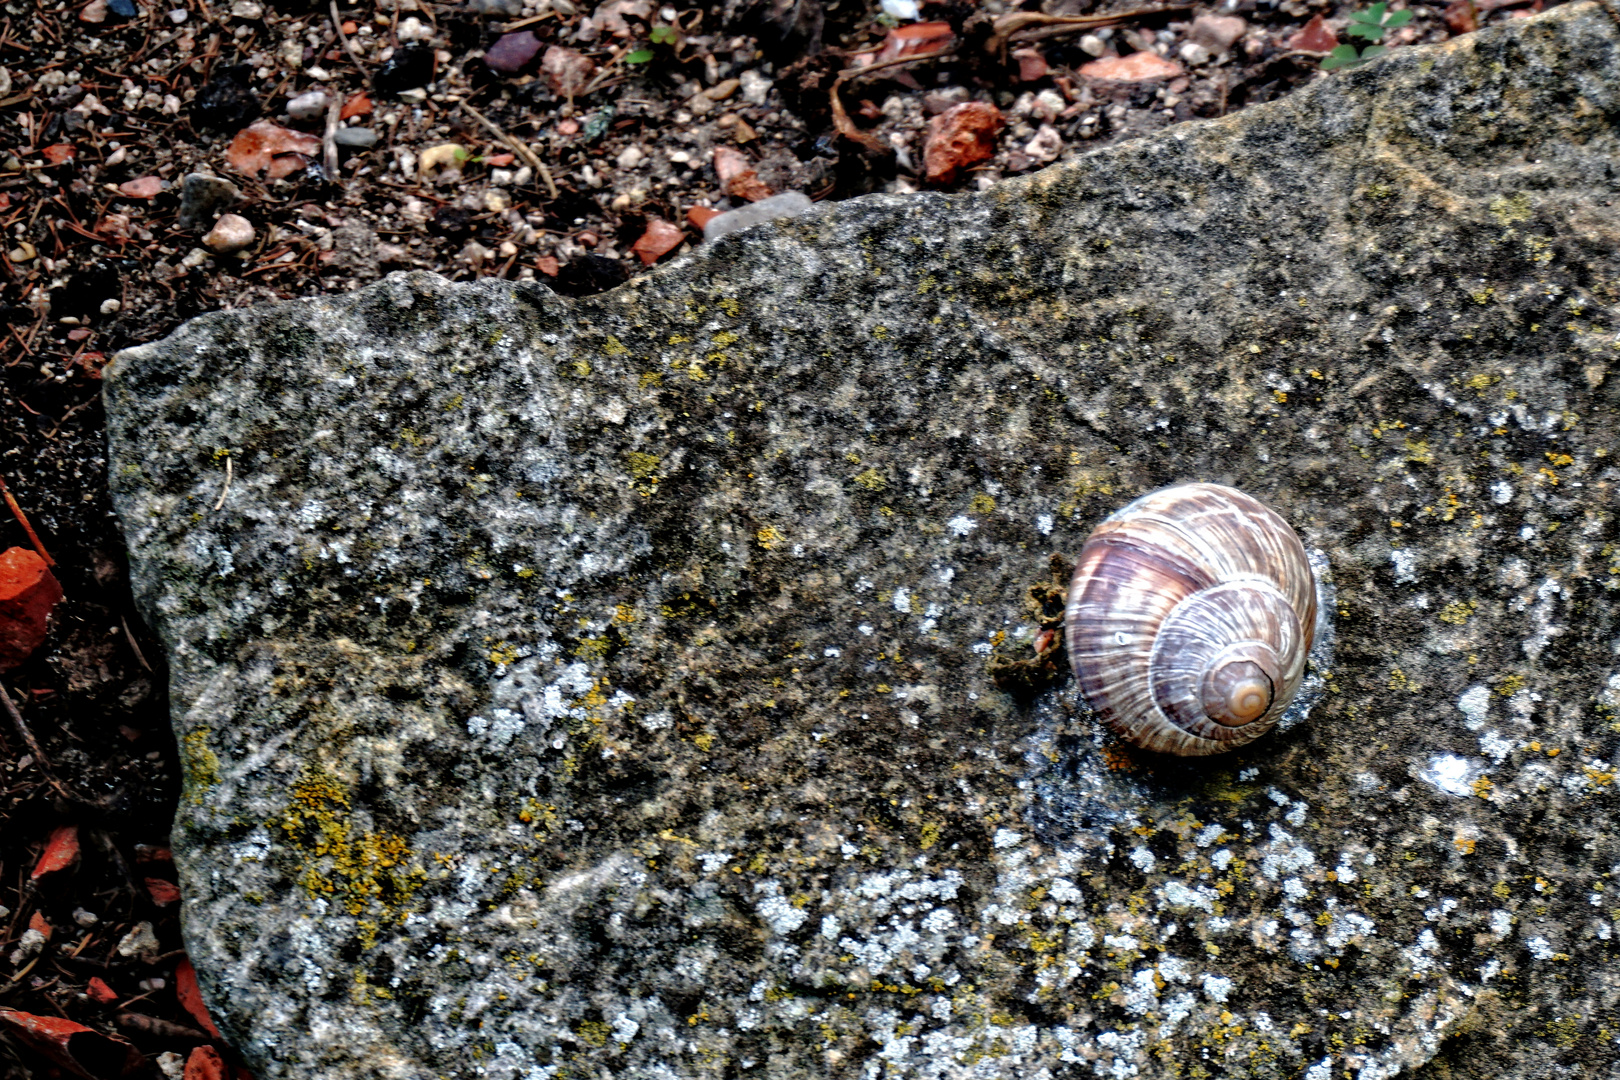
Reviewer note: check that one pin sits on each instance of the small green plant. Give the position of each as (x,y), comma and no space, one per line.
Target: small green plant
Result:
(1369,24)
(661,35)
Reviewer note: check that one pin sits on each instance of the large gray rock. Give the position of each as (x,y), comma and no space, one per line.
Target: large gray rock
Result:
(598,688)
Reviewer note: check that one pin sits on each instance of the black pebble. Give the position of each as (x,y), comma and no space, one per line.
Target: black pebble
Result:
(228,101)
(410,66)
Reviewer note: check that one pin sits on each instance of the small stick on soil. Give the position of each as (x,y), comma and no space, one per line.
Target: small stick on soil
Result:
(132,644)
(44,764)
(226,490)
(329,157)
(22,519)
(349,46)
(516,146)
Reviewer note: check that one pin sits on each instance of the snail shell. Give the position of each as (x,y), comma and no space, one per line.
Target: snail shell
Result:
(1189,618)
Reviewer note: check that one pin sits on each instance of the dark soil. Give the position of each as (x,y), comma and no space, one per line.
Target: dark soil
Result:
(103,114)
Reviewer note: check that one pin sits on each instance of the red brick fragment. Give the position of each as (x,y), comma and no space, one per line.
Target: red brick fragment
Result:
(100,992)
(1137,67)
(28,592)
(961,136)
(1031,64)
(146,187)
(659,240)
(205,1064)
(699,216)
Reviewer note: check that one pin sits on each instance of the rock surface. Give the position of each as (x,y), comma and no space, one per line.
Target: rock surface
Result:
(599,687)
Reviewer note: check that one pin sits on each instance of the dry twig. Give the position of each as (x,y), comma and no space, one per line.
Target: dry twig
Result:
(22,519)
(516,146)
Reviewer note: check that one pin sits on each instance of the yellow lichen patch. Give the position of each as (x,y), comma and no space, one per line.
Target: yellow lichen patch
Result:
(593,1033)
(1510,685)
(364,872)
(1511,209)
(1482,787)
(613,347)
(871,480)
(768,537)
(1418,452)
(200,763)
(624,614)
(503,654)
(1457,612)
(929,836)
(982,504)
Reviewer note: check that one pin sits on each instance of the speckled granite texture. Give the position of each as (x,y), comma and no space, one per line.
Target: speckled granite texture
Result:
(598,688)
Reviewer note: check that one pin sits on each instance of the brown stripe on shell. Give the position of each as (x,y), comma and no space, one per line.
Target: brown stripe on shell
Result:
(1211,561)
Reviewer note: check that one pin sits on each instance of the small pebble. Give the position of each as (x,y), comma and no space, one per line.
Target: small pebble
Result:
(85,918)
(755,87)
(247,9)
(178,15)
(355,138)
(203,196)
(308,106)
(140,941)
(1092,45)
(631,156)
(230,234)
(788,204)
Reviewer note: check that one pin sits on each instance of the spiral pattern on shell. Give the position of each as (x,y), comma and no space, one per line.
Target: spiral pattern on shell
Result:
(1189,619)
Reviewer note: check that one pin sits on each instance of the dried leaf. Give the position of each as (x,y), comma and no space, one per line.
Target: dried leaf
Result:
(268,148)
(163,893)
(358,105)
(61,851)
(565,70)
(80,1050)
(1462,16)
(59,154)
(1316,37)
(917,39)
(189,995)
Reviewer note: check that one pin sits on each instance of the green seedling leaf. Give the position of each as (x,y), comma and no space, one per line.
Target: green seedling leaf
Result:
(640,56)
(663,35)
(1343,56)
(1397,18)
(1371,51)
